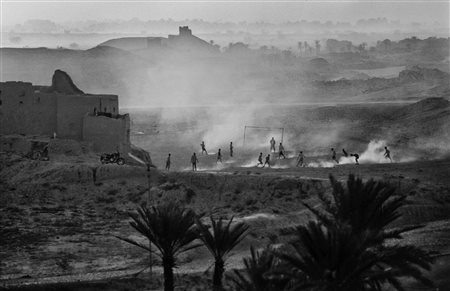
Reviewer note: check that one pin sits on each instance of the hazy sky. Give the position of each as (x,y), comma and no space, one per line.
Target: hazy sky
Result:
(17,11)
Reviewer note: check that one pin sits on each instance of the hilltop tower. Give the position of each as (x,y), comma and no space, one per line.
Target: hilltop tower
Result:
(184,31)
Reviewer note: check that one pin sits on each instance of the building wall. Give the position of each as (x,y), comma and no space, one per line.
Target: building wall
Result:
(25,111)
(71,110)
(108,134)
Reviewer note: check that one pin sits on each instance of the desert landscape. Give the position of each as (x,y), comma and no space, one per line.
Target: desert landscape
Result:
(66,214)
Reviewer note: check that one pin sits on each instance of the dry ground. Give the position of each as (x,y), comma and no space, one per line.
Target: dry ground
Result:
(59,223)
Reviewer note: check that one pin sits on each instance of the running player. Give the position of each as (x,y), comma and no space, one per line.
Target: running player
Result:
(203,148)
(260,162)
(281,151)
(387,154)
(267,161)
(345,153)
(356,158)
(333,155)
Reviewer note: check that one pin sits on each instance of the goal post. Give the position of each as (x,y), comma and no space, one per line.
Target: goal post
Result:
(262,128)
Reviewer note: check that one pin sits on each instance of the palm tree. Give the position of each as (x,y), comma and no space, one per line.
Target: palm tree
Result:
(350,246)
(335,259)
(220,242)
(257,273)
(369,209)
(171,229)
(363,206)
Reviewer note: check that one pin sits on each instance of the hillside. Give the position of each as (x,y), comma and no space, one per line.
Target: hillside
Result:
(415,82)
(146,76)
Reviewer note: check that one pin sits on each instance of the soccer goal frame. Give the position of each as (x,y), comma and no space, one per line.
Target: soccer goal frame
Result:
(262,128)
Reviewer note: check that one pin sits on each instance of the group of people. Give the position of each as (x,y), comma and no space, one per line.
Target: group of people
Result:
(387,155)
(194,159)
(345,154)
(281,153)
(280,148)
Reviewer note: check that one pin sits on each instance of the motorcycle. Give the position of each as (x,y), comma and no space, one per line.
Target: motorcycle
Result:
(112,158)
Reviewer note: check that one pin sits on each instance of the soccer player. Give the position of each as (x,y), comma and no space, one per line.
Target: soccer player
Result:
(219,157)
(267,161)
(356,158)
(203,148)
(333,155)
(272,145)
(281,151)
(168,163)
(387,154)
(260,162)
(194,162)
(301,159)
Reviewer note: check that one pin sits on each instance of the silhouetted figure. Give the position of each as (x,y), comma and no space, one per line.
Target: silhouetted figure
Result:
(260,162)
(203,148)
(194,162)
(356,158)
(387,154)
(333,155)
(44,155)
(267,161)
(281,151)
(231,149)
(219,156)
(272,145)
(300,160)
(345,153)
(168,162)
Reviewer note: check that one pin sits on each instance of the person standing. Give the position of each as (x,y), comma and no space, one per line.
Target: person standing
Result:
(168,162)
(272,145)
(194,162)
(219,157)
(301,159)
(231,149)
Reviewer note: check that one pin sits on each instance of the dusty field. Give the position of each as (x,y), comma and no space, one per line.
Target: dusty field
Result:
(59,218)
(65,229)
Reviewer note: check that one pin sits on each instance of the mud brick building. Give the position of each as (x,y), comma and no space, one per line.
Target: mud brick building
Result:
(64,109)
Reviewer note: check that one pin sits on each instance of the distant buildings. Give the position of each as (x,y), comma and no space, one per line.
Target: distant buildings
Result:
(185,41)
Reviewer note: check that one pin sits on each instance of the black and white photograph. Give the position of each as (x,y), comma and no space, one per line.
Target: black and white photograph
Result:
(225,145)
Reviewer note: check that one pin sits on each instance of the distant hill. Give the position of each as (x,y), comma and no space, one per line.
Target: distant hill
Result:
(186,70)
(424,106)
(185,41)
(423,125)
(414,82)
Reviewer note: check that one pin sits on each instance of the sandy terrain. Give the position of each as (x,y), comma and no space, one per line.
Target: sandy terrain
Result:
(59,218)
(67,228)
